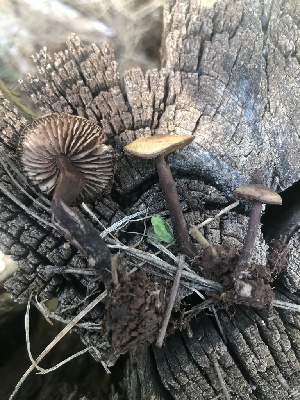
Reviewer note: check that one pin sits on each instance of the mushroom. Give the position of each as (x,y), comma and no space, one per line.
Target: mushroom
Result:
(157,147)
(66,155)
(257,194)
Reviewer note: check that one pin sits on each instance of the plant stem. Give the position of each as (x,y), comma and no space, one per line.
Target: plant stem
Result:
(245,256)
(168,187)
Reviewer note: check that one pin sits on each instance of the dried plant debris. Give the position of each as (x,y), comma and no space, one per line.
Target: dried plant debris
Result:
(133,308)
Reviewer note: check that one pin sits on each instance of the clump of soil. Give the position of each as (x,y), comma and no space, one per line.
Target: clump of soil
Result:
(248,284)
(133,312)
(218,268)
(251,285)
(250,292)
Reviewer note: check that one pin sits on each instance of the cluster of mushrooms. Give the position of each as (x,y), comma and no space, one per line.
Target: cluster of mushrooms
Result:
(66,155)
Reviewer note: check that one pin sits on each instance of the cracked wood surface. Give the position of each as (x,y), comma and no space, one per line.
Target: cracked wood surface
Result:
(239,91)
(230,77)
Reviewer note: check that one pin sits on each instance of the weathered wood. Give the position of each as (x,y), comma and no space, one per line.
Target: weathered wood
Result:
(229,77)
(286,227)
(240,83)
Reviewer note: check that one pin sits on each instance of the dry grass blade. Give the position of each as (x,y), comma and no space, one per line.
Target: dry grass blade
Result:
(48,315)
(163,249)
(285,305)
(120,224)
(27,335)
(79,353)
(198,281)
(42,370)
(57,339)
(6,163)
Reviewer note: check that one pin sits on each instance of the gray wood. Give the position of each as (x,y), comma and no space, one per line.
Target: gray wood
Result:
(240,81)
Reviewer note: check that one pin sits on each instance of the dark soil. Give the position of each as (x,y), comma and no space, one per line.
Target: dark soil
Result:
(133,312)
(249,284)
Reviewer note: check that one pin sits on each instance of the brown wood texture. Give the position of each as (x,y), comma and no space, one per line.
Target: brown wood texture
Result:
(230,77)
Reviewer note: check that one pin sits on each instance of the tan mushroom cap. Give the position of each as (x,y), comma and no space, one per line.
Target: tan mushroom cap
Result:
(258,192)
(153,146)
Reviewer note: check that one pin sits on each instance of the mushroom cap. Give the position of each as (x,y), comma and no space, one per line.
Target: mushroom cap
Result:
(80,141)
(152,146)
(258,192)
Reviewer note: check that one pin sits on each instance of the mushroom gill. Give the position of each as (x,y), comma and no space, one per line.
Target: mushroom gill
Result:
(59,142)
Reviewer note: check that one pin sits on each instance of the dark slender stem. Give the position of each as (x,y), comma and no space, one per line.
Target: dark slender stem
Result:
(72,225)
(254,220)
(82,234)
(168,187)
(70,182)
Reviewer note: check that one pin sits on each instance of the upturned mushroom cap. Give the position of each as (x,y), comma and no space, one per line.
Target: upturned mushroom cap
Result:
(152,146)
(50,140)
(258,192)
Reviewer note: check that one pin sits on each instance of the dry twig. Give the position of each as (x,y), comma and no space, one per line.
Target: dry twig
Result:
(164,325)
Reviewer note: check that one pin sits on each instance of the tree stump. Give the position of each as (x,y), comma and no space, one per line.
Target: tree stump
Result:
(229,77)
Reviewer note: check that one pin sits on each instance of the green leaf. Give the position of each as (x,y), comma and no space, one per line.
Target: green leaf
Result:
(162,230)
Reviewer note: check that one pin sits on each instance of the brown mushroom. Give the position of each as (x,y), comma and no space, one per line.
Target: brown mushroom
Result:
(66,155)
(258,195)
(157,147)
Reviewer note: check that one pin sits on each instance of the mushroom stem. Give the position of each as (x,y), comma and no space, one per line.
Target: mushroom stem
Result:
(82,234)
(71,223)
(251,232)
(70,182)
(168,187)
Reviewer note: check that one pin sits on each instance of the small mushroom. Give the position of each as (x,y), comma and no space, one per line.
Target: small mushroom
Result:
(258,195)
(66,155)
(157,147)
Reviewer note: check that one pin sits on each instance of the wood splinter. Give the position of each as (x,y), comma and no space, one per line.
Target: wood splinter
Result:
(197,235)
(174,290)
